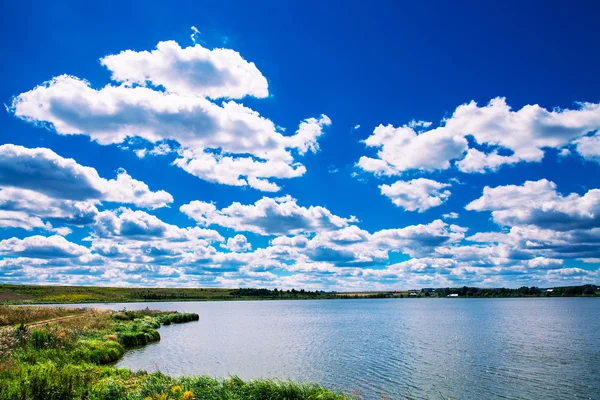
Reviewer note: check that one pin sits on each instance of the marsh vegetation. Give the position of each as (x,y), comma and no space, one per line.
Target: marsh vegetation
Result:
(51,353)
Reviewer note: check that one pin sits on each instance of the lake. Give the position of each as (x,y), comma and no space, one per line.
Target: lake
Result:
(546,348)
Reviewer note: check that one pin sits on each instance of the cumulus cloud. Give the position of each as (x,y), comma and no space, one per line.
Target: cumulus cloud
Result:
(268,216)
(182,101)
(589,147)
(545,263)
(418,240)
(226,143)
(139,225)
(44,171)
(527,242)
(507,137)
(538,203)
(193,70)
(351,246)
(41,247)
(402,149)
(19,219)
(416,195)
(39,205)
(39,188)
(237,244)
(137,238)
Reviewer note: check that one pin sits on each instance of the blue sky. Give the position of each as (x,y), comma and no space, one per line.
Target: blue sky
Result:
(336,146)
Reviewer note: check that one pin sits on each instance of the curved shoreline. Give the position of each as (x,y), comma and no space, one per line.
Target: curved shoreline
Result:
(73,358)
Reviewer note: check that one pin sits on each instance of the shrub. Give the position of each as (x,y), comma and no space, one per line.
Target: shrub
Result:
(109,389)
(41,339)
(44,382)
(98,351)
(178,318)
(133,338)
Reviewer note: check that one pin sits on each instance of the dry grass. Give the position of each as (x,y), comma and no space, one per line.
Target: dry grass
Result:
(14,315)
(93,319)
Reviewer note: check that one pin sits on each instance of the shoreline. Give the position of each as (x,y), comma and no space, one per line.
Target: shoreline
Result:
(341,298)
(64,357)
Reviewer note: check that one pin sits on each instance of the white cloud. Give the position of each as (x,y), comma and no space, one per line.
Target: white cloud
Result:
(538,203)
(589,147)
(419,124)
(39,187)
(192,70)
(564,152)
(418,194)
(306,136)
(527,242)
(19,219)
(195,33)
(41,247)
(39,205)
(545,263)
(418,240)
(524,133)
(402,149)
(354,246)
(450,215)
(62,231)
(226,143)
(44,171)
(232,170)
(158,150)
(268,216)
(237,244)
(139,225)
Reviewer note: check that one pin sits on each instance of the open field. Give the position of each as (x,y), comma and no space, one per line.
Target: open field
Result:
(30,294)
(89,294)
(23,294)
(69,357)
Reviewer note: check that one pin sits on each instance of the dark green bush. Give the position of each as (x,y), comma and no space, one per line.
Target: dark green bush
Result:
(178,318)
(133,338)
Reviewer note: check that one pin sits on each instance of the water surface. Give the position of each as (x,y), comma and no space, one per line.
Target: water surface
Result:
(396,348)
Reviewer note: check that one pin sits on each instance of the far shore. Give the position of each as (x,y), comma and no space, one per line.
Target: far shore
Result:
(32,294)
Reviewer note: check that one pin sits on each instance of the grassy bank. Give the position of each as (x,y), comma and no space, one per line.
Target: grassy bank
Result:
(33,294)
(52,353)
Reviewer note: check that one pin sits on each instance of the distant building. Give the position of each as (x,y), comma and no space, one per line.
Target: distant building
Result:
(413,294)
(550,290)
(453,295)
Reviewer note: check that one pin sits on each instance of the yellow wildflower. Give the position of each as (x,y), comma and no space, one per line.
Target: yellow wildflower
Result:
(176,389)
(189,395)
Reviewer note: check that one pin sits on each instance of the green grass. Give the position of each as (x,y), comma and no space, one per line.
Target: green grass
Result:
(23,294)
(49,381)
(69,359)
(30,294)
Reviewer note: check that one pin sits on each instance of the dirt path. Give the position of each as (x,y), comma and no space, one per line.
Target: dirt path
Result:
(53,320)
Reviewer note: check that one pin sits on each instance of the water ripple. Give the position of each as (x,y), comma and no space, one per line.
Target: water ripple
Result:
(410,349)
